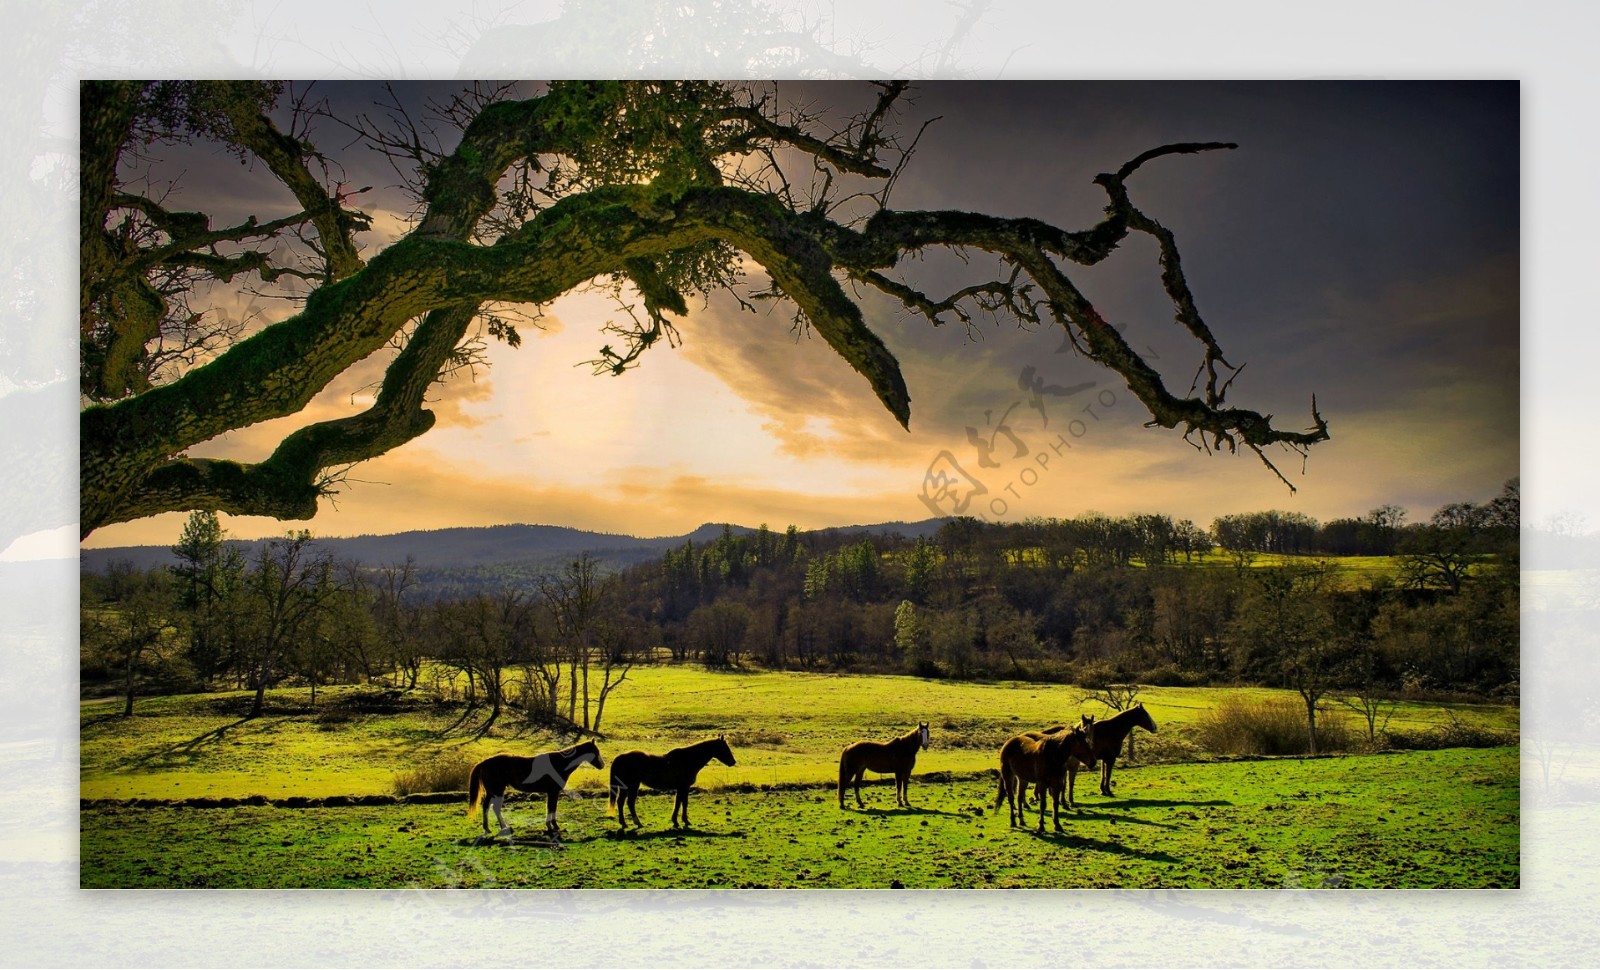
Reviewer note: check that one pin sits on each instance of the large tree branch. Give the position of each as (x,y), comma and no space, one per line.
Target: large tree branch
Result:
(286,156)
(135,459)
(277,371)
(1035,247)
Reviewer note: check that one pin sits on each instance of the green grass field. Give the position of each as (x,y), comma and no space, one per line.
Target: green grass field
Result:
(1180,818)
(786,728)
(1425,819)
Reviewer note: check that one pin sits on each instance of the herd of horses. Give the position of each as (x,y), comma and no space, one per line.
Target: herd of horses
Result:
(1048,760)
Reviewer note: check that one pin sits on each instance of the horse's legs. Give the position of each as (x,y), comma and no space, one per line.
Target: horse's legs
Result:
(498,801)
(633,806)
(1072,782)
(1055,796)
(1105,774)
(902,797)
(550,826)
(856,780)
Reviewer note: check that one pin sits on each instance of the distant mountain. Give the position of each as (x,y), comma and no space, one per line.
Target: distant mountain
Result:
(537,547)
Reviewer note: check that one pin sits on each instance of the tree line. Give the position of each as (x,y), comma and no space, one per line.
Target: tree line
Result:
(1097,600)
(215,620)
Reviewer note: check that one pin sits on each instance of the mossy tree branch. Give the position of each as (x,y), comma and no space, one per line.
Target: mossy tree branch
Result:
(668,228)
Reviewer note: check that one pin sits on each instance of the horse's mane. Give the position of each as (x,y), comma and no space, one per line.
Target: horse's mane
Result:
(915,734)
(1131,714)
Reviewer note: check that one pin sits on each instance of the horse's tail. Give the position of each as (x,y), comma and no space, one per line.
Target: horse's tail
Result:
(844,773)
(1004,787)
(611,787)
(474,787)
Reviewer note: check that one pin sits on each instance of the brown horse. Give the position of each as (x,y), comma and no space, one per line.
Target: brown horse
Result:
(674,771)
(895,757)
(1109,736)
(544,773)
(1043,761)
(1086,722)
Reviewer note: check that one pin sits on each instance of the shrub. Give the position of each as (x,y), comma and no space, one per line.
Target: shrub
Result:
(1096,674)
(757,739)
(1164,747)
(172,675)
(446,773)
(1169,675)
(1454,733)
(1270,727)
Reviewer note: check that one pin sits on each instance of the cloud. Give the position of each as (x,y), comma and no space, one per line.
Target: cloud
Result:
(403,491)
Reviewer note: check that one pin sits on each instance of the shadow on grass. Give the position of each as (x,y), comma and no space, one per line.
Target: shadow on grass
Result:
(525,841)
(1084,813)
(87,721)
(1069,840)
(909,810)
(1163,802)
(685,833)
(185,753)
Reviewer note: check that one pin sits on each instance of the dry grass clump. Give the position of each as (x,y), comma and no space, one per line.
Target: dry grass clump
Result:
(1268,727)
(445,773)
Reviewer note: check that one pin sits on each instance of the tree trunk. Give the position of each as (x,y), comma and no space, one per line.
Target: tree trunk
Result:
(586,690)
(572,692)
(127,707)
(605,691)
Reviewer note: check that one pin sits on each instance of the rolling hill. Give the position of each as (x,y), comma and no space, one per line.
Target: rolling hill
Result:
(466,556)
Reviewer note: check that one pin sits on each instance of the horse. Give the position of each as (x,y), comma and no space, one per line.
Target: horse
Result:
(1045,761)
(674,771)
(546,773)
(1108,738)
(1086,722)
(895,757)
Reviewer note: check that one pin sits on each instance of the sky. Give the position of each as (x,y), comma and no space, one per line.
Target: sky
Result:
(1360,245)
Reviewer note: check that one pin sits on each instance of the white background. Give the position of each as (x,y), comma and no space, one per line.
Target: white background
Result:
(49,922)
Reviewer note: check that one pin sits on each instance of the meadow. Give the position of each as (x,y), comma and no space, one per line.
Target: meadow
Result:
(306,796)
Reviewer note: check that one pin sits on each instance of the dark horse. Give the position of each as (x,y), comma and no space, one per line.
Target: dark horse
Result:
(1109,736)
(895,757)
(546,773)
(1043,760)
(674,771)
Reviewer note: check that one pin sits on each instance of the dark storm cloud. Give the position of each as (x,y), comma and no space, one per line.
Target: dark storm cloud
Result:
(1360,244)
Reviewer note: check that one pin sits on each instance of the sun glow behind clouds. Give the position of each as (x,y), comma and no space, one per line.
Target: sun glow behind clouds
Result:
(1411,348)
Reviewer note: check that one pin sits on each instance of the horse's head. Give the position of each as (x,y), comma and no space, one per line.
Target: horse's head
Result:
(922,735)
(589,753)
(1080,745)
(1145,720)
(723,753)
